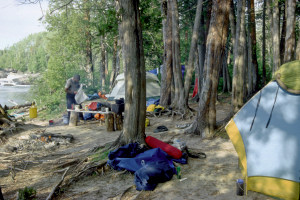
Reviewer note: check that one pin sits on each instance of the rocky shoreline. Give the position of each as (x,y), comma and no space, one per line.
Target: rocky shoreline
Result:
(17,77)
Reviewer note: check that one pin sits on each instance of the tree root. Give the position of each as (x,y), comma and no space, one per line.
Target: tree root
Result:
(57,185)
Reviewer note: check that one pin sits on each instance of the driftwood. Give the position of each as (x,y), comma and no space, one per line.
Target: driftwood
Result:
(57,185)
(17,106)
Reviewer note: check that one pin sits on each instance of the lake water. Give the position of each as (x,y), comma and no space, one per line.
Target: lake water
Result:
(18,94)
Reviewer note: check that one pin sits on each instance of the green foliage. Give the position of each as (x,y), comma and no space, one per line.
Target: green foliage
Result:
(27,55)
(28,193)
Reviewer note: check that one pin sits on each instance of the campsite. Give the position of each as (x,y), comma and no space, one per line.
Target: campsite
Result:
(149,99)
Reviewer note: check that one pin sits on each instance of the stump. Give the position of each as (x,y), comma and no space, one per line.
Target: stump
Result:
(109,122)
(118,121)
(73,118)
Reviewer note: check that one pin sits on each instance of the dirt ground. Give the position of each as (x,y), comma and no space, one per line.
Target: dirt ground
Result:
(40,167)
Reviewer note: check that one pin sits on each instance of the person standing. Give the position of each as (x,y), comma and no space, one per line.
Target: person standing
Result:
(71,88)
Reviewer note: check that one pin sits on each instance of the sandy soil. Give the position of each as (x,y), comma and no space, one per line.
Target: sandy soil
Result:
(210,178)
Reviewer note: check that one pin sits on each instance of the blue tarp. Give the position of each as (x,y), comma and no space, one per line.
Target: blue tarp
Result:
(150,166)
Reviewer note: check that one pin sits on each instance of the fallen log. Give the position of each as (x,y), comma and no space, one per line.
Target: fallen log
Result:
(17,106)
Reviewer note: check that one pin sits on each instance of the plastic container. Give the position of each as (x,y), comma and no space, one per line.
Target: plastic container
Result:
(33,111)
(240,187)
(51,122)
(65,119)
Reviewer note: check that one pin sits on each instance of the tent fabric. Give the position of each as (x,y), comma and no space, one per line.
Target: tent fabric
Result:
(266,136)
(288,76)
(152,87)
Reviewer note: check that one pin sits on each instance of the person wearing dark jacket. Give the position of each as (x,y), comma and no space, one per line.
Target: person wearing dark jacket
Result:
(71,89)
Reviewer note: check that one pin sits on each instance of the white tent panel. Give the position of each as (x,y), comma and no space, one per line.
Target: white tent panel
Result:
(152,87)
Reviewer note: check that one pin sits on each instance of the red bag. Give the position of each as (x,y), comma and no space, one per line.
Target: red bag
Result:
(93,106)
(169,149)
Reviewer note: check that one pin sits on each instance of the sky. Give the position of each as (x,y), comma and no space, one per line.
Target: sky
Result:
(18,21)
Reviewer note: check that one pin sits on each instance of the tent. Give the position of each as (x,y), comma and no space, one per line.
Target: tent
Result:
(266,136)
(152,87)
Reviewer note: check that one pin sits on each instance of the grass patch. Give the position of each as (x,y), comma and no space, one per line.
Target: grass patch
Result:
(99,155)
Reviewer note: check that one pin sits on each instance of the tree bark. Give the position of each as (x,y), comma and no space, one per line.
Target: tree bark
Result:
(276,36)
(166,75)
(114,64)
(215,45)
(253,44)
(102,64)
(239,61)
(249,52)
(178,103)
(264,44)
(283,32)
(89,68)
(135,75)
(190,64)
(290,31)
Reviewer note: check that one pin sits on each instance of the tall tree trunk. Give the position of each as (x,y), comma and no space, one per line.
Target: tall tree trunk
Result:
(239,61)
(249,52)
(166,74)
(215,45)
(232,26)
(290,31)
(225,67)
(253,44)
(276,36)
(106,62)
(283,33)
(178,103)
(264,45)
(201,52)
(193,47)
(135,75)
(102,64)
(89,68)
(114,64)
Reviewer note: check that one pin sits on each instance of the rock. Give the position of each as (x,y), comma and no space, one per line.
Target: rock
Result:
(25,79)
(3,74)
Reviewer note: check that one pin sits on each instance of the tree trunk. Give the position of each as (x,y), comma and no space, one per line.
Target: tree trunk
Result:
(193,47)
(225,66)
(89,68)
(178,103)
(201,52)
(166,75)
(102,64)
(264,44)
(114,64)
(239,61)
(253,44)
(232,26)
(290,31)
(135,75)
(215,45)
(283,32)
(249,52)
(276,36)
